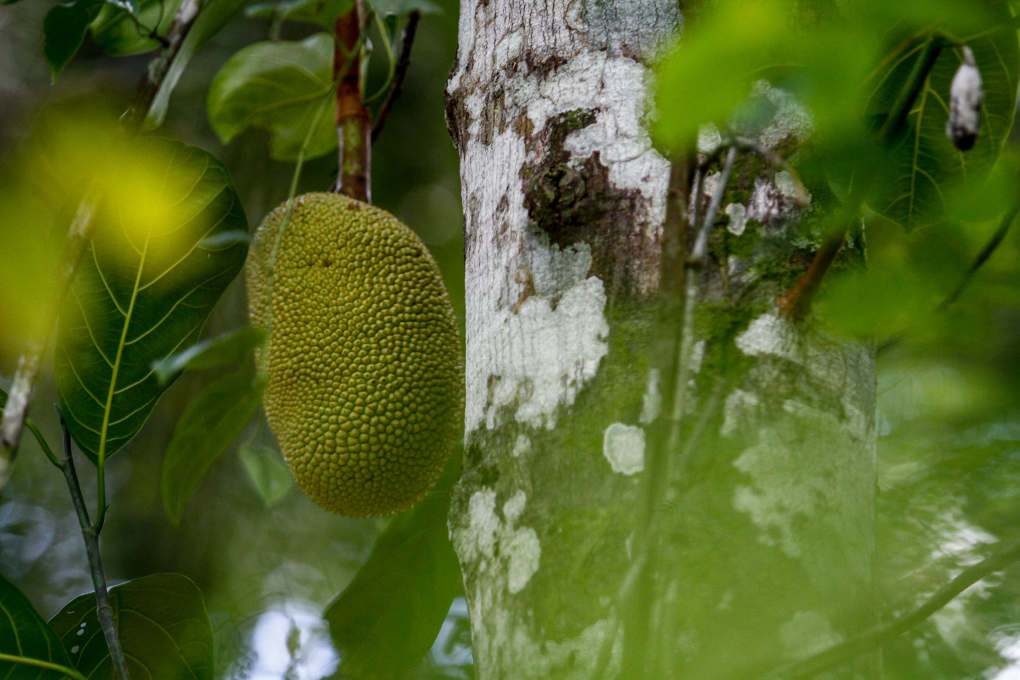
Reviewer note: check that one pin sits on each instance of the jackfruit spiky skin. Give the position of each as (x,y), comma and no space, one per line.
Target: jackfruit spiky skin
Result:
(364,361)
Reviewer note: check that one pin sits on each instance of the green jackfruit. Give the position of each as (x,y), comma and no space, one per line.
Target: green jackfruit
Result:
(364,363)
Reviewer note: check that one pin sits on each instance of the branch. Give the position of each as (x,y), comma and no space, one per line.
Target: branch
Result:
(845,651)
(796,302)
(403,62)
(104,611)
(160,64)
(353,122)
(20,395)
(78,237)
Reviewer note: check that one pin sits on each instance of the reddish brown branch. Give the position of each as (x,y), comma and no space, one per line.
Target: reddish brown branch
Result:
(796,302)
(399,73)
(353,121)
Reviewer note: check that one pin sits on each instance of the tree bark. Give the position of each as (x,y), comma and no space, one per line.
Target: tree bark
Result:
(641,497)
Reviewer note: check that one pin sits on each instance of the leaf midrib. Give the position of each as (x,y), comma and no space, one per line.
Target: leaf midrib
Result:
(108,406)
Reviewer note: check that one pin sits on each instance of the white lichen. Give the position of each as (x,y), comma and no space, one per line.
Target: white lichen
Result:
(624,447)
(738,218)
(522,445)
(807,633)
(739,412)
(651,400)
(500,545)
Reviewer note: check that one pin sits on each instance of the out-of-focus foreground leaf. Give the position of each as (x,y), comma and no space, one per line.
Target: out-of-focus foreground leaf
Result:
(162,623)
(380,635)
(282,87)
(208,427)
(144,287)
(24,634)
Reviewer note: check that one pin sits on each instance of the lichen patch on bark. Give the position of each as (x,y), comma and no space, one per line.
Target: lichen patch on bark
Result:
(624,447)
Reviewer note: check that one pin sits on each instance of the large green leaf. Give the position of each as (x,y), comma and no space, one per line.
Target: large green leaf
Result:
(926,165)
(119,33)
(268,472)
(322,12)
(382,636)
(64,31)
(25,635)
(162,624)
(228,348)
(398,7)
(208,427)
(282,87)
(144,288)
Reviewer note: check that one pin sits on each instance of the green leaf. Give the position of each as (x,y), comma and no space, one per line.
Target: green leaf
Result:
(24,634)
(64,31)
(281,87)
(268,472)
(162,623)
(120,34)
(927,165)
(213,16)
(321,12)
(229,348)
(144,288)
(385,7)
(208,427)
(382,636)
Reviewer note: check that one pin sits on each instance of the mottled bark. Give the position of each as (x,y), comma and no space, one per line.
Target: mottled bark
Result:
(757,526)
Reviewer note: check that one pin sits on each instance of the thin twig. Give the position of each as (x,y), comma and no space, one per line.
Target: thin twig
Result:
(160,64)
(403,62)
(353,121)
(78,236)
(104,611)
(845,651)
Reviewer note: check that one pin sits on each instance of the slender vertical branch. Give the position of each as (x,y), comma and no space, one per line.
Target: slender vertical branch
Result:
(403,63)
(78,236)
(353,122)
(104,610)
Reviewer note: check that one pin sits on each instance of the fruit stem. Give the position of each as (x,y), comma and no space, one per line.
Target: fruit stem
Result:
(353,121)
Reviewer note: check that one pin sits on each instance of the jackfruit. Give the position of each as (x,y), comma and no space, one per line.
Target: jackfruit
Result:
(364,361)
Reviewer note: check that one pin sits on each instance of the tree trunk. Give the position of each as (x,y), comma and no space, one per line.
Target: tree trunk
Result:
(642,496)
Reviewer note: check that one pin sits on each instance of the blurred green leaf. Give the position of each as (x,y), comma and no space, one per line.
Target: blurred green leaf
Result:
(924,167)
(120,33)
(321,12)
(268,472)
(213,16)
(210,424)
(64,31)
(378,635)
(385,7)
(231,347)
(24,634)
(162,623)
(143,290)
(282,87)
